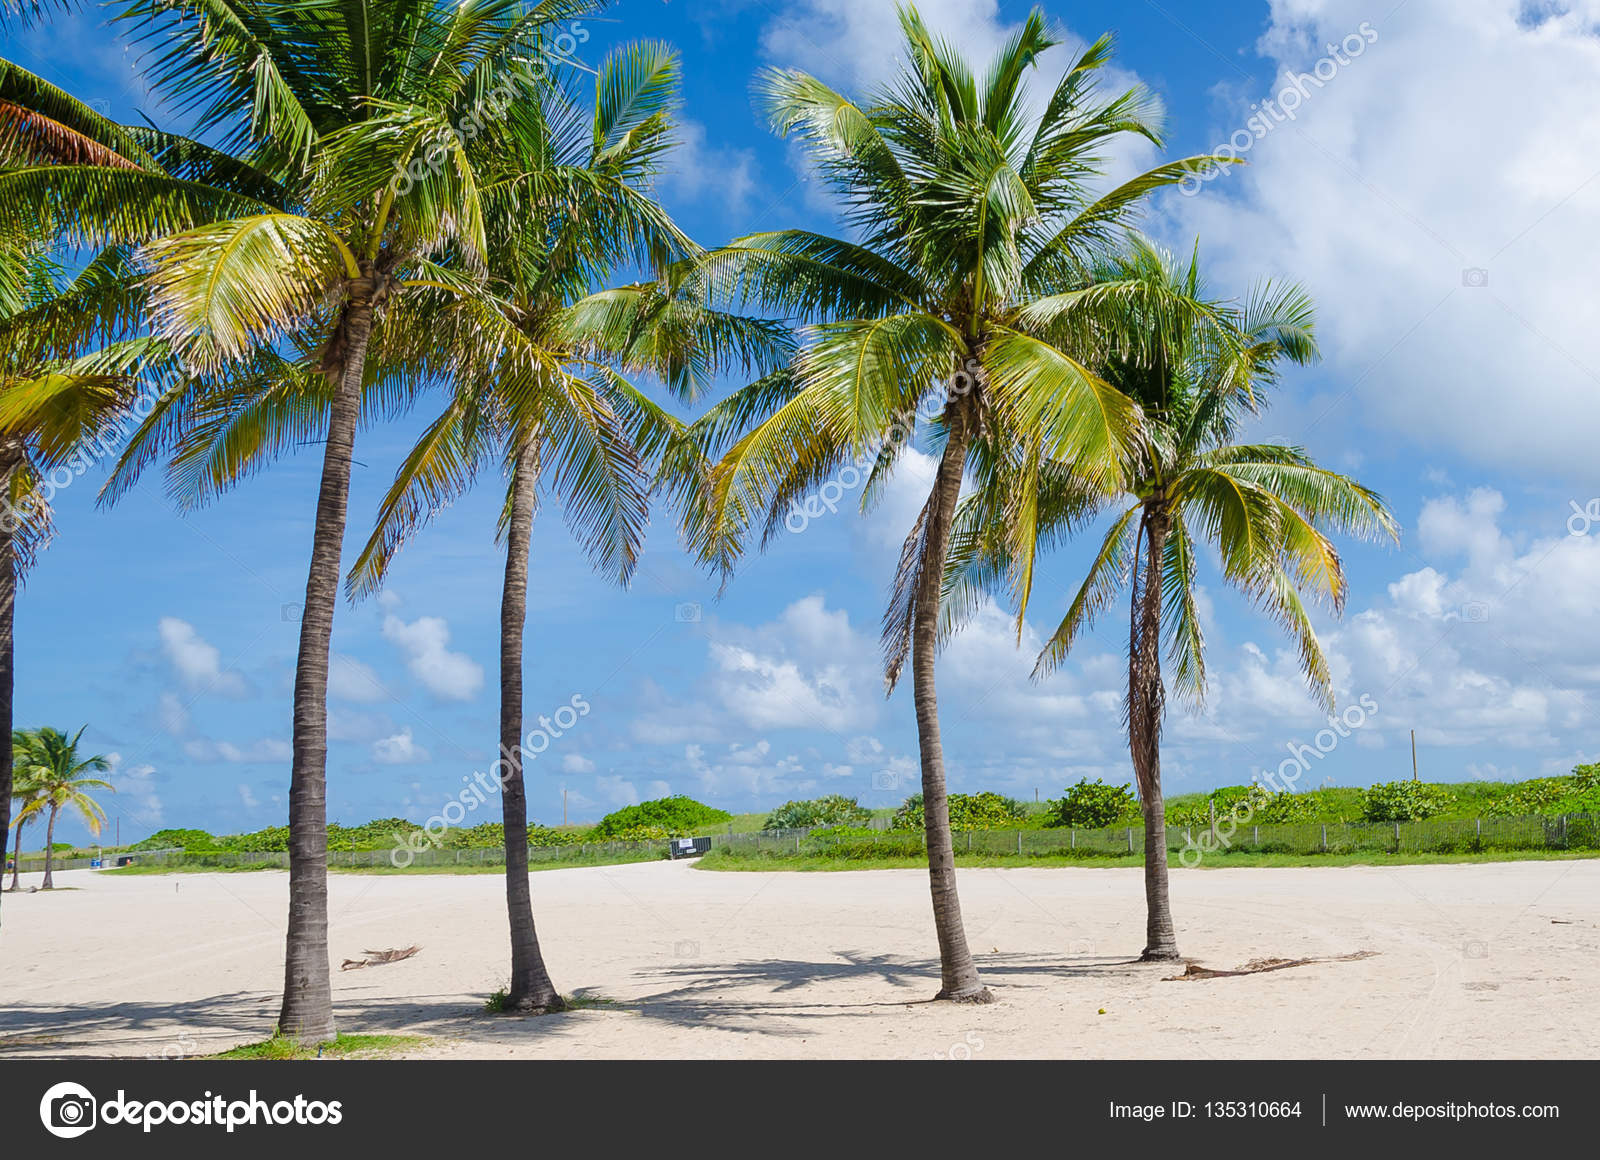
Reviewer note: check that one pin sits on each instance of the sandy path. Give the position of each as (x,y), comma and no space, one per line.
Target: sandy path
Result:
(1470,963)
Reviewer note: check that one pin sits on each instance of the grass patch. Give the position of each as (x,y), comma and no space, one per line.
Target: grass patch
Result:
(566,863)
(720,860)
(495,1004)
(342,1046)
(180,868)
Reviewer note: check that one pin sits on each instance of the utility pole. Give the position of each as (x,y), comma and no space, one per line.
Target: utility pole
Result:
(1413,755)
(563,805)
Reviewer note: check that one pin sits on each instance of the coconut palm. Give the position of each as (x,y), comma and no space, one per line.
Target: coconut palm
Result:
(65,400)
(55,774)
(1198,368)
(963,209)
(346,146)
(544,396)
(67,364)
(22,791)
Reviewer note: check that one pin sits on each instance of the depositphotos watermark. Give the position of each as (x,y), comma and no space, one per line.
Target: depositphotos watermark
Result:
(1582,518)
(1284,779)
(481,786)
(853,474)
(105,442)
(68,1110)
(492,106)
(1269,114)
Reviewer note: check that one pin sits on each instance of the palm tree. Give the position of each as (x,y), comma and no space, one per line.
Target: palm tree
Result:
(348,140)
(543,395)
(1198,369)
(963,211)
(23,789)
(68,367)
(55,774)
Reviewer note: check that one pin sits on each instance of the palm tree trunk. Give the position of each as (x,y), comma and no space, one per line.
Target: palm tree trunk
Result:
(50,849)
(958,973)
(1146,705)
(8,608)
(307,1011)
(531,988)
(16,857)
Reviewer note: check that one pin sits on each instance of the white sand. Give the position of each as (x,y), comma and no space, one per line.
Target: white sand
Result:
(1471,962)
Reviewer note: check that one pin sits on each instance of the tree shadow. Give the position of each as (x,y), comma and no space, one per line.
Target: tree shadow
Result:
(767,997)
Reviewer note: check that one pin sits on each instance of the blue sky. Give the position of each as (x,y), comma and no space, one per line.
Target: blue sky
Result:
(1431,192)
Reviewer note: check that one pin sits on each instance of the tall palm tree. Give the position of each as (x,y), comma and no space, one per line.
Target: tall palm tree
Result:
(56,774)
(348,144)
(963,209)
(545,395)
(1198,368)
(62,347)
(23,789)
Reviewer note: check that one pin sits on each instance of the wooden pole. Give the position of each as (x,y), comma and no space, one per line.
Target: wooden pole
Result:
(1413,755)
(563,805)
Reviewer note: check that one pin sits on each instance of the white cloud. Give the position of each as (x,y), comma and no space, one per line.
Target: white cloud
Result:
(351,680)
(173,714)
(136,793)
(198,662)
(697,171)
(345,725)
(247,797)
(1452,144)
(267,750)
(400,749)
(450,676)
(807,669)
(576,763)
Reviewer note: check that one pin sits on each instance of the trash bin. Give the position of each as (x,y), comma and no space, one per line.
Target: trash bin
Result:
(94,863)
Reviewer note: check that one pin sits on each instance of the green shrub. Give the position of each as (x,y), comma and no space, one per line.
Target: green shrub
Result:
(833,810)
(1403,801)
(178,839)
(1093,805)
(674,816)
(545,836)
(1529,797)
(968,811)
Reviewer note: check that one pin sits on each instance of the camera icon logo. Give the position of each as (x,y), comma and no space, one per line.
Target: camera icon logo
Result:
(686,948)
(1475,276)
(886,779)
(1475,612)
(68,1110)
(290,613)
(688,613)
(1475,949)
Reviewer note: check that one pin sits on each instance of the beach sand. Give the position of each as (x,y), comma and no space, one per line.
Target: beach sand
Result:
(1466,961)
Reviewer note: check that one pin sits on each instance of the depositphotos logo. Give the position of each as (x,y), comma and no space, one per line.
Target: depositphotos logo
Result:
(68,1110)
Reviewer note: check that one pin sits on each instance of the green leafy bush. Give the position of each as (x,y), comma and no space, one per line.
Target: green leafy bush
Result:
(673,816)
(192,840)
(968,811)
(832,810)
(1093,805)
(1404,801)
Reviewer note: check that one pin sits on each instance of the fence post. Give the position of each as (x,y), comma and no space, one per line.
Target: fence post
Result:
(1563,830)
(797,843)
(1130,839)
(1211,825)
(1074,839)
(1397,837)
(1324,839)
(1258,835)
(1019,841)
